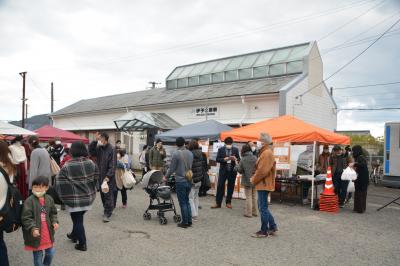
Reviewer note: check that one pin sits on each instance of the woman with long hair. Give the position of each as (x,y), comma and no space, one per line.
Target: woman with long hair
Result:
(20,159)
(362,181)
(9,168)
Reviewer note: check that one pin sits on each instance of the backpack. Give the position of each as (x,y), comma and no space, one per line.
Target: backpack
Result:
(10,214)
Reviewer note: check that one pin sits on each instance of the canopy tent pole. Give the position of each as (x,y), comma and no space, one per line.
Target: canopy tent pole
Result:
(312,174)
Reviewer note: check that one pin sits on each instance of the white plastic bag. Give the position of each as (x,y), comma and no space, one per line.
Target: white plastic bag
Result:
(128,179)
(349,174)
(350,187)
(104,187)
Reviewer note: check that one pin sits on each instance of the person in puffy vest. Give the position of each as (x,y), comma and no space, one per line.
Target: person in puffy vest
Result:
(199,169)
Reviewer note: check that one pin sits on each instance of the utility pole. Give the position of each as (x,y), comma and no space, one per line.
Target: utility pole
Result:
(26,111)
(23,75)
(52,98)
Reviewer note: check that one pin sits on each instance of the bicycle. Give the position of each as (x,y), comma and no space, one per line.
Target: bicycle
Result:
(376,175)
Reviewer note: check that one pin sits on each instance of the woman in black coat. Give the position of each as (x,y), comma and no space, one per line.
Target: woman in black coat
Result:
(362,181)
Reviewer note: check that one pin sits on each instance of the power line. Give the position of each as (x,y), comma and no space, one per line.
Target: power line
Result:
(368,85)
(351,21)
(221,38)
(351,61)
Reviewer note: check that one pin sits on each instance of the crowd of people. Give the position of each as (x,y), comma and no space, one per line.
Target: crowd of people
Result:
(84,171)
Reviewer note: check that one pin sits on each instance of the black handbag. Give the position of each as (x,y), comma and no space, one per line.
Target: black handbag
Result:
(53,193)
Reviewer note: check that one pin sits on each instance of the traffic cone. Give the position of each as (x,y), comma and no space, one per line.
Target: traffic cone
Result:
(328,201)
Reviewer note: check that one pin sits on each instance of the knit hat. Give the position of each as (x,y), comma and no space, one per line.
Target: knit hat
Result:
(266,138)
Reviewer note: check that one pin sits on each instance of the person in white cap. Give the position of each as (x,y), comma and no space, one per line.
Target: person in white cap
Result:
(264,181)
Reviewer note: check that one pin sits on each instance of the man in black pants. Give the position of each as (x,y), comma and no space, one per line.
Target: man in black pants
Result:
(227,156)
(106,160)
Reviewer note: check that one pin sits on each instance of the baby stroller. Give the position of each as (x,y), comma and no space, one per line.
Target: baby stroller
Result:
(152,184)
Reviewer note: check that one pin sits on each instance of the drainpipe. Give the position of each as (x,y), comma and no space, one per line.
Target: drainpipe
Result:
(246,110)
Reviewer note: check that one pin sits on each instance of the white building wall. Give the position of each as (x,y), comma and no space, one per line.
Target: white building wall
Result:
(315,108)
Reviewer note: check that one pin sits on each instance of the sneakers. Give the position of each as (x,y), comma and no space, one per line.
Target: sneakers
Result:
(260,234)
(341,205)
(272,232)
(70,237)
(106,219)
(215,206)
(195,219)
(80,247)
(181,225)
(229,206)
(248,216)
(124,206)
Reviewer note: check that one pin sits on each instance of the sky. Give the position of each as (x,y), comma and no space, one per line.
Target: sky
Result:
(92,48)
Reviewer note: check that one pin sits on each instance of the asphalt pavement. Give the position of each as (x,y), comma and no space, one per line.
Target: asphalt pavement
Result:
(222,236)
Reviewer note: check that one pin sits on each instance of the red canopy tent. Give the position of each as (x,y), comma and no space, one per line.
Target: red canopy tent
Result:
(47,133)
(286,129)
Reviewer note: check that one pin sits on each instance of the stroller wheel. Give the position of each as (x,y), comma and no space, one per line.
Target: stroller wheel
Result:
(147,216)
(177,218)
(163,220)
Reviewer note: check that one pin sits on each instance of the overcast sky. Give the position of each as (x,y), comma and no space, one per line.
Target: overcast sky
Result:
(96,47)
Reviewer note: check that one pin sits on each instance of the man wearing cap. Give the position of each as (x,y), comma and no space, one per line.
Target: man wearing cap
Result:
(264,181)
(227,157)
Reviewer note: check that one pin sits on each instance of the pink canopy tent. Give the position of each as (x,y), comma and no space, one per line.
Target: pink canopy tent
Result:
(47,133)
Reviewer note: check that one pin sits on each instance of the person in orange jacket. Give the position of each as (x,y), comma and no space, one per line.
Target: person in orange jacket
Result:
(264,181)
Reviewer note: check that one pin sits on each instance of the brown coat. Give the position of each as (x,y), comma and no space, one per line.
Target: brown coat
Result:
(265,170)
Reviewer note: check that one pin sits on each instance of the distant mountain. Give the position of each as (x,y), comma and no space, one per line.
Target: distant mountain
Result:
(34,122)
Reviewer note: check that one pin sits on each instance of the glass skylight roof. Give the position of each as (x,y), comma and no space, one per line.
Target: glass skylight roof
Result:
(282,61)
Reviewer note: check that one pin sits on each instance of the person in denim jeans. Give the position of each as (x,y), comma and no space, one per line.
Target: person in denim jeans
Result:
(181,162)
(264,181)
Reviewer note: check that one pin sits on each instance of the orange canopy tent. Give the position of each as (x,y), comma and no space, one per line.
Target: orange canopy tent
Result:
(286,129)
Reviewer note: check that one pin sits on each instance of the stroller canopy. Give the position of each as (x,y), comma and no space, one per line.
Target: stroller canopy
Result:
(152,177)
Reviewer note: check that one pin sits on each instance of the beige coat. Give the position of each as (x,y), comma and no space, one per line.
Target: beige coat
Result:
(264,175)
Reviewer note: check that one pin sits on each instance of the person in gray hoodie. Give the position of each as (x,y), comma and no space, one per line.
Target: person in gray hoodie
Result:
(181,162)
(246,169)
(39,161)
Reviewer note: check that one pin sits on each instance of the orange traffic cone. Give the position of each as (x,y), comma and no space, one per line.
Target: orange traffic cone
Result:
(328,201)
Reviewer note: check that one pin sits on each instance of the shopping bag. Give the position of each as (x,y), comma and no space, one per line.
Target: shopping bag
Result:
(349,174)
(54,168)
(128,179)
(350,187)
(104,187)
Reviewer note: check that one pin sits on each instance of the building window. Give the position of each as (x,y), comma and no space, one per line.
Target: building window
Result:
(182,83)
(205,79)
(231,75)
(193,81)
(278,69)
(202,111)
(171,84)
(218,77)
(295,67)
(259,72)
(245,73)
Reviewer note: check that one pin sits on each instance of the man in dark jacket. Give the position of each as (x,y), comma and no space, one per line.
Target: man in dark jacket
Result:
(338,162)
(106,160)
(227,156)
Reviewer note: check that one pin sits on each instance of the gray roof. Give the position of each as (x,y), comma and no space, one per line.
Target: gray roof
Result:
(164,96)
